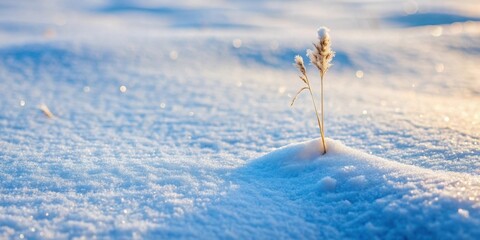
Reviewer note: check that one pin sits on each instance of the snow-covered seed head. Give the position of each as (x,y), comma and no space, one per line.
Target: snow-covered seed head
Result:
(300,65)
(322,54)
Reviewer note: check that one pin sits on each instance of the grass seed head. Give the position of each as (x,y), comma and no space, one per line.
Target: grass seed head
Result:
(300,65)
(322,54)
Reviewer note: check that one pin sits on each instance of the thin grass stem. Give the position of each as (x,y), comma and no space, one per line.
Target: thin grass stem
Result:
(323,117)
(320,126)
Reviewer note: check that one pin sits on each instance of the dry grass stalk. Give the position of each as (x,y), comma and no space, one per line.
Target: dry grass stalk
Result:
(321,57)
(301,67)
(46,111)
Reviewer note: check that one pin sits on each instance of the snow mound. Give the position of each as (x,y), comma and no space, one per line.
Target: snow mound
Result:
(357,194)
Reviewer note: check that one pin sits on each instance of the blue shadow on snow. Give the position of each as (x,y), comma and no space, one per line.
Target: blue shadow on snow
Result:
(425,19)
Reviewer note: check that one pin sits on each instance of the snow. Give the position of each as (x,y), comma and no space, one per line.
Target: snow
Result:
(362,195)
(322,33)
(327,184)
(172,120)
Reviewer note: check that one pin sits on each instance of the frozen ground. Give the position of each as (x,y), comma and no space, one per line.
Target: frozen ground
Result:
(181,150)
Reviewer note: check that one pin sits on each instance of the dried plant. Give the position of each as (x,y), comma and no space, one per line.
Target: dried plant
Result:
(322,54)
(321,57)
(46,110)
(301,67)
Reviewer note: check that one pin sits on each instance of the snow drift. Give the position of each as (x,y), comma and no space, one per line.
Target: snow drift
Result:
(364,196)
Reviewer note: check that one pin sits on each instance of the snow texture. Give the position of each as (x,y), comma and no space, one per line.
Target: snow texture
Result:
(381,198)
(172,120)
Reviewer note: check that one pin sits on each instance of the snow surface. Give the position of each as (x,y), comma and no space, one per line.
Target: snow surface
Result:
(171,120)
(355,195)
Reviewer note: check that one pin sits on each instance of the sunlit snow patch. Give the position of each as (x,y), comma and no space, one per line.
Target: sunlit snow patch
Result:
(378,196)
